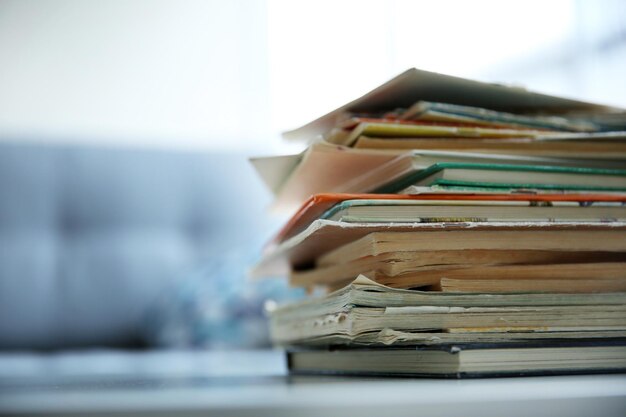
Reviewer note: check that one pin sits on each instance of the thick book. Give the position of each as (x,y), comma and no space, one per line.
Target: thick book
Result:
(363,309)
(465,361)
(477,261)
(570,239)
(318,241)
(479,271)
(353,321)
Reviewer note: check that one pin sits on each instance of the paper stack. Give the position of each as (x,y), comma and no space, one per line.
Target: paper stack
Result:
(447,227)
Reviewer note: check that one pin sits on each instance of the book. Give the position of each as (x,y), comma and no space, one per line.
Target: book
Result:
(463,361)
(320,204)
(320,168)
(563,283)
(569,238)
(411,210)
(450,128)
(326,168)
(520,146)
(393,129)
(446,112)
(364,292)
(360,311)
(510,176)
(430,269)
(353,320)
(320,239)
(399,338)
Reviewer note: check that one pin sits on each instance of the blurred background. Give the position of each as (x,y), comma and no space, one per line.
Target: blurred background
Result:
(128,211)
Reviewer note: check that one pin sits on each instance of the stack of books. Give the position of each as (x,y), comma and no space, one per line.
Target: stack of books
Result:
(447,227)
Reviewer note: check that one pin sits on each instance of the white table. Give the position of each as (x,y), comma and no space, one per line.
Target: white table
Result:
(164,383)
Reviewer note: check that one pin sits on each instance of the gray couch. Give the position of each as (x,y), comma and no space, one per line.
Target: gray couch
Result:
(91,236)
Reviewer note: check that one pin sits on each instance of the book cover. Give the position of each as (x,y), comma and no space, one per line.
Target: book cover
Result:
(581,174)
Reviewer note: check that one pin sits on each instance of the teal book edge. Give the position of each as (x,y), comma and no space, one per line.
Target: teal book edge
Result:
(351,203)
(509,186)
(417,176)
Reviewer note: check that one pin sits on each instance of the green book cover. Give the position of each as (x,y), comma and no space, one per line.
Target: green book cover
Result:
(420,175)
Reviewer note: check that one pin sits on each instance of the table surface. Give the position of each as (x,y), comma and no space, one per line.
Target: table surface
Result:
(256,383)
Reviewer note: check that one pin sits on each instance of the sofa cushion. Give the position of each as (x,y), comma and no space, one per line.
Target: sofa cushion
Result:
(90,236)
